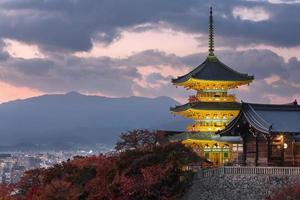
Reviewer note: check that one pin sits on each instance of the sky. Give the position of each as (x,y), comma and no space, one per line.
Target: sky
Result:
(121,48)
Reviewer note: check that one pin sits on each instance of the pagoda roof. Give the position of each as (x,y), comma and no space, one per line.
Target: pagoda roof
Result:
(200,136)
(207,106)
(268,118)
(215,70)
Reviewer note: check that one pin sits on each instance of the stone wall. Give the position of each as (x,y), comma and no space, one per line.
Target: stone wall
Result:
(237,187)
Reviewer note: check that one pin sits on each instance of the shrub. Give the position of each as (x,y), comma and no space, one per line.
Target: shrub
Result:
(291,192)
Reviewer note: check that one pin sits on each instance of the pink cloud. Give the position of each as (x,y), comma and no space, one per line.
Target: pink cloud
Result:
(129,43)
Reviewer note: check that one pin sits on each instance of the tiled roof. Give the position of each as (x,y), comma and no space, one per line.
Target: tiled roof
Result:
(269,118)
(213,69)
(208,106)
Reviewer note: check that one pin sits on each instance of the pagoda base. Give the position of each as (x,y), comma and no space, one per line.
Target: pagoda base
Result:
(220,150)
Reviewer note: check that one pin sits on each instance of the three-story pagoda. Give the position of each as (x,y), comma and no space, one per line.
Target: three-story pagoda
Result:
(212,107)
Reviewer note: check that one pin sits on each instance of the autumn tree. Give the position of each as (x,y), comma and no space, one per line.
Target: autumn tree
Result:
(30,181)
(6,191)
(137,139)
(140,170)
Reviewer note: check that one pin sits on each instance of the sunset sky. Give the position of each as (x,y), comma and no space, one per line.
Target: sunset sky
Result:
(121,48)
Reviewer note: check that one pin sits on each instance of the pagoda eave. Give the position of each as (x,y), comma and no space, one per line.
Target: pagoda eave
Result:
(198,106)
(208,111)
(201,84)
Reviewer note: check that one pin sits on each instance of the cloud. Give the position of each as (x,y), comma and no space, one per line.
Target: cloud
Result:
(22,50)
(4,55)
(157,37)
(285,1)
(275,81)
(254,14)
(64,35)
(70,73)
(149,73)
(71,25)
(261,63)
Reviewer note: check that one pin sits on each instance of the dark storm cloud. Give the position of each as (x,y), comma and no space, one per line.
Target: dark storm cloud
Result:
(153,57)
(157,78)
(3,54)
(109,76)
(103,75)
(261,63)
(294,66)
(32,67)
(71,24)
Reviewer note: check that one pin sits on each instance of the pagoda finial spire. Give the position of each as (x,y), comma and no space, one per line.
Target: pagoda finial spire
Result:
(211,34)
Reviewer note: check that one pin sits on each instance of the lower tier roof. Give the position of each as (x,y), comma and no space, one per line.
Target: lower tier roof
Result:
(207,106)
(198,136)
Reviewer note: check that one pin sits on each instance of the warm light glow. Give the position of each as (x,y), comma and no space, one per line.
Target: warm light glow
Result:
(198,85)
(281,137)
(10,92)
(205,114)
(22,50)
(272,79)
(161,39)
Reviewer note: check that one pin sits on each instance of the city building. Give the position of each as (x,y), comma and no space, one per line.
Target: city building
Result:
(14,164)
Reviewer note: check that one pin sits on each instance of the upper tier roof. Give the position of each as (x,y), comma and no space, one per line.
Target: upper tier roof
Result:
(268,118)
(213,69)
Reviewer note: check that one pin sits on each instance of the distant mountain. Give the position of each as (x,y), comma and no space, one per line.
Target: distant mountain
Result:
(68,120)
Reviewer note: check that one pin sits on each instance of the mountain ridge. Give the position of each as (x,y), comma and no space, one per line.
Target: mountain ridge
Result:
(72,119)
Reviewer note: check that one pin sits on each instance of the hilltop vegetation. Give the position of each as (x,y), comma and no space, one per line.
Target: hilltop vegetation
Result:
(147,171)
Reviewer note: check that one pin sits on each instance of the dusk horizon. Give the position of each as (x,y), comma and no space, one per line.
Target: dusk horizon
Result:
(149,100)
(139,54)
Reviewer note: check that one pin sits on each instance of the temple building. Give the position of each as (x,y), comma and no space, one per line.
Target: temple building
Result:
(229,132)
(270,134)
(212,107)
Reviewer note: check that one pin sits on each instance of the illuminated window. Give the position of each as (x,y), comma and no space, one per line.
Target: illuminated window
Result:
(234,147)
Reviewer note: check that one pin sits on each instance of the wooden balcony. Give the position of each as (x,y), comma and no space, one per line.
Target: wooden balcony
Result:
(204,128)
(215,98)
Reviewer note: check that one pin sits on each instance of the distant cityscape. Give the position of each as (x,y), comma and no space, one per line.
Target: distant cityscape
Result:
(14,164)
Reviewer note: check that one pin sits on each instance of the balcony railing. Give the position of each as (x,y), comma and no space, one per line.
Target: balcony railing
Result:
(212,98)
(281,171)
(205,128)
